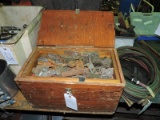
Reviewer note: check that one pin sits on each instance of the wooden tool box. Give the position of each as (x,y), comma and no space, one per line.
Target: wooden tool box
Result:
(76,31)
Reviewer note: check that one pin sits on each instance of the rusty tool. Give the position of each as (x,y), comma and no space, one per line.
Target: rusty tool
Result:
(74,72)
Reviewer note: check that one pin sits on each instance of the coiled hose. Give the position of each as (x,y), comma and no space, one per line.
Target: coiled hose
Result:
(139,63)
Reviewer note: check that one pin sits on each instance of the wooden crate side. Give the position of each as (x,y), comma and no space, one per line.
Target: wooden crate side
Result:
(91,98)
(121,77)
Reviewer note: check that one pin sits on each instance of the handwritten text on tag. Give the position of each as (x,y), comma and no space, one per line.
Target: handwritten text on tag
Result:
(71,101)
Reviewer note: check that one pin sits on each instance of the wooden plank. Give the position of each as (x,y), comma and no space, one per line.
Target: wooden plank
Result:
(23,105)
(65,27)
(93,98)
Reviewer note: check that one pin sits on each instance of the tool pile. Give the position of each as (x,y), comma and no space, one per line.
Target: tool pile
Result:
(5,100)
(74,64)
(7,32)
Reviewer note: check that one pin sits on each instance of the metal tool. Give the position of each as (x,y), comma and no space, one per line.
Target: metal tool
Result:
(7,32)
(10,28)
(146,105)
(5,36)
(71,64)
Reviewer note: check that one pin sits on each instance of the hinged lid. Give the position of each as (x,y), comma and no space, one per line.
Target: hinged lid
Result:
(87,28)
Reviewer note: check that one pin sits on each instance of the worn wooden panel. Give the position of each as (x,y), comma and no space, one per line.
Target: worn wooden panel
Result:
(65,27)
(90,98)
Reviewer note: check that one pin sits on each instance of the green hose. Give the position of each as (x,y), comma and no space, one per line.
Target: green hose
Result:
(135,89)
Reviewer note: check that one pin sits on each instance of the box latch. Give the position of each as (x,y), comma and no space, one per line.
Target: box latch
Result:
(77,10)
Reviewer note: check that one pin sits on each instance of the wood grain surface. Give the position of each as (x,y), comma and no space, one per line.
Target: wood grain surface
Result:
(65,27)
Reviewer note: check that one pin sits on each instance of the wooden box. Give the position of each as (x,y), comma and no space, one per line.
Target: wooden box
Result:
(82,32)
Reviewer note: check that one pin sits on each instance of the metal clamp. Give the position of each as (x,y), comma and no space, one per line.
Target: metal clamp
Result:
(68,90)
(77,11)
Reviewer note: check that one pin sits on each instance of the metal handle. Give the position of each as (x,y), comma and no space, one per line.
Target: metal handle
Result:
(68,90)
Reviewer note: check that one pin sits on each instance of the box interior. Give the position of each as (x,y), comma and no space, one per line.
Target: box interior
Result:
(103,52)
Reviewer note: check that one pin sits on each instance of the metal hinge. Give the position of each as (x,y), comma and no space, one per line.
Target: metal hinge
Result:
(77,11)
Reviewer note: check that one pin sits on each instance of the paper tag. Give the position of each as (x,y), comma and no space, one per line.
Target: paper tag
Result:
(71,101)
(8,55)
(157,32)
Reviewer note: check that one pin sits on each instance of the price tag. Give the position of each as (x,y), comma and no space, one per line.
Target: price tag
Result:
(71,101)
(8,55)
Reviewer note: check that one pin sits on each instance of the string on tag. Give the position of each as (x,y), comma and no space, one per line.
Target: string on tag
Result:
(3,46)
(69,93)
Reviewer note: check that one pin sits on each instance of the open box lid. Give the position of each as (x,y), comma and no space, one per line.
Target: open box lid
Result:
(67,27)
